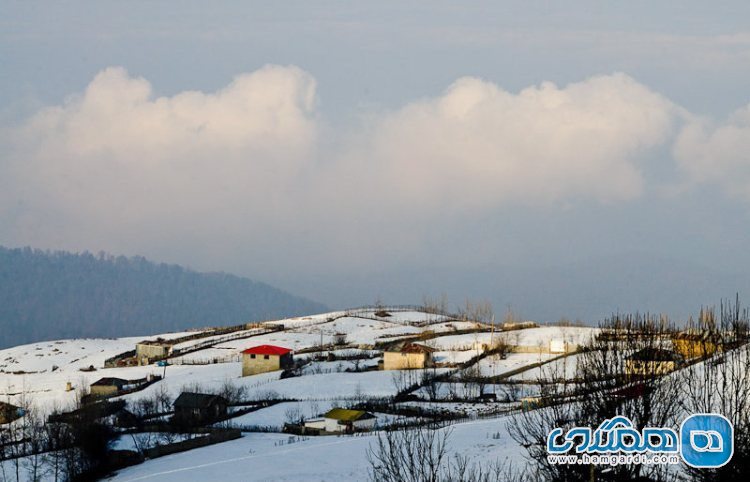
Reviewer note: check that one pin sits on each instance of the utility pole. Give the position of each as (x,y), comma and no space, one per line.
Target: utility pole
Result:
(492,333)
(492,347)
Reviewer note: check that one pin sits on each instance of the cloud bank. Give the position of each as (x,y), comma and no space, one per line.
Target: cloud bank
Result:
(117,162)
(252,171)
(717,153)
(482,146)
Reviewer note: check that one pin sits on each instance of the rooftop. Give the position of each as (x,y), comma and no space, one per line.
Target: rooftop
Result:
(110,381)
(197,400)
(345,415)
(416,348)
(654,354)
(157,342)
(267,350)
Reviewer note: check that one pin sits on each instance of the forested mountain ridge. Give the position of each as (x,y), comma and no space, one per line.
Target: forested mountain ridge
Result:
(54,295)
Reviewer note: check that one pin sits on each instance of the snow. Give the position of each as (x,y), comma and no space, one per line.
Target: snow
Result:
(577,335)
(276,415)
(270,457)
(65,354)
(315,386)
(529,337)
(496,366)
(321,386)
(333,386)
(466,342)
(453,357)
(209,355)
(564,367)
(149,439)
(338,366)
(47,388)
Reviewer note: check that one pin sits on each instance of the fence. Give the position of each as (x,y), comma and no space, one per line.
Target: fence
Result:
(235,336)
(368,311)
(177,447)
(235,357)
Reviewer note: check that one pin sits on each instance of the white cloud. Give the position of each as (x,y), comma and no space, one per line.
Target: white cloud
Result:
(116,160)
(267,111)
(478,145)
(717,153)
(242,172)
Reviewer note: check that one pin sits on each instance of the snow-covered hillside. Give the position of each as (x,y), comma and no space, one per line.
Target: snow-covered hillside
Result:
(340,352)
(261,457)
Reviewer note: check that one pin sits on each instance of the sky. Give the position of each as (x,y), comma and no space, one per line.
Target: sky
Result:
(558,159)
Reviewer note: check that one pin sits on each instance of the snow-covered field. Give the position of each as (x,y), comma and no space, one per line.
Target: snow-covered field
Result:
(564,367)
(492,366)
(271,457)
(542,336)
(70,354)
(276,415)
(530,337)
(42,371)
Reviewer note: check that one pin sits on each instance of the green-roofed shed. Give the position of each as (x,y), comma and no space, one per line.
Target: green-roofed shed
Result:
(345,420)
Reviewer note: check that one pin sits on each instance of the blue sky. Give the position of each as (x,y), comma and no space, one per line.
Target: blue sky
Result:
(564,159)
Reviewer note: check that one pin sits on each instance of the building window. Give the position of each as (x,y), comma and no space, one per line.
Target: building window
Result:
(266,357)
(252,355)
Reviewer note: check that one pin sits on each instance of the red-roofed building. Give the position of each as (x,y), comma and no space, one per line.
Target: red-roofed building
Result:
(266,358)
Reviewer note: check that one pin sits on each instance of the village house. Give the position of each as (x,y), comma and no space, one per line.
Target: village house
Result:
(651,362)
(342,420)
(9,413)
(148,350)
(199,407)
(696,345)
(115,411)
(266,358)
(111,386)
(107,387)
(410,356)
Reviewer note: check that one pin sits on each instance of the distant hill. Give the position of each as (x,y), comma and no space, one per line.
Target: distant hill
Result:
(53,295)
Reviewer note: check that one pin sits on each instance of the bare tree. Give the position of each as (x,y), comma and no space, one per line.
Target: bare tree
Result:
(431,383)
(163,399)
(646,395)
(36,445)
(435,306)
(472,382)
(416,455)
(232,392)
(501,347)
(293,415)
(719,382)
(421,454)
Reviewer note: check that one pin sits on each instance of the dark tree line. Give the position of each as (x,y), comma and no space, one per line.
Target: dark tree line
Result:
(36,449)
(52,295)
